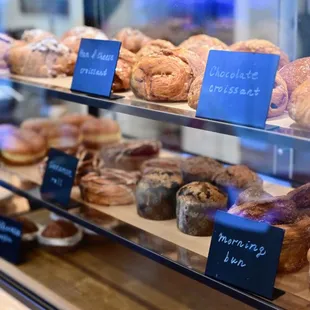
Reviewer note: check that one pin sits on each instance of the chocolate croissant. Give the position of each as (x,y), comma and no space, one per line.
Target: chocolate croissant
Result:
(166,76)
(154,47)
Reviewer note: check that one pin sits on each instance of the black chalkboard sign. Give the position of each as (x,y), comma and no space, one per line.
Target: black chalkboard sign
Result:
(10,239)
(59,177)
(245,253)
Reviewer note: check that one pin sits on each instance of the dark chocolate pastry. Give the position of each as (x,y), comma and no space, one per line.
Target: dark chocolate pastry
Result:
(156,194)
(197,203)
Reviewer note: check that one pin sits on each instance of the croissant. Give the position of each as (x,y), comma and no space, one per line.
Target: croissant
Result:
(194,92)
(202,39)
(261,46)
(153,47)
(166,76)
(290,213)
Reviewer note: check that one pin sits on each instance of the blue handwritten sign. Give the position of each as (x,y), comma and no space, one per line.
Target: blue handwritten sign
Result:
(10,239)
(95,67)
(245,253)
(237,87)
(59,177)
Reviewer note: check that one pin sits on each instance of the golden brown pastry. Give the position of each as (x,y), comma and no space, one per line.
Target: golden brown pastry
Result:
(153,47)
(299,104)
(76,119)
(261,46)
(35,35)
(166,76)
(132,39)
(194,92)
(46,58)
(295,73)
(123,69)
(5,43)
(202,39)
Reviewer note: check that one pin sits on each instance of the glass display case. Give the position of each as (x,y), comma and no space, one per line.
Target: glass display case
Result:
(150,174)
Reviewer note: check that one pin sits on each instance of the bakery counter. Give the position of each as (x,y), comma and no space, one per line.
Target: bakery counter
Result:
(279,130)
(158,240)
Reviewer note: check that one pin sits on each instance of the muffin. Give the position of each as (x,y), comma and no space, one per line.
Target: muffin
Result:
(60,236)
(197,203)
(168,164)
(156,194)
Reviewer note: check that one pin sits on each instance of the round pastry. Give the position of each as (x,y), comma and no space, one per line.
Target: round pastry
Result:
(166,76)
(100,132)
(299,103)
(156,194)
(76,119)
(130,155)
(35,35)
(168,164)
(39,125)
(123,69)
(45,58)
(154,47)
(132,39)
(72,38)
(261,46)
(5,44)
(197,203)
(295,73)
(279,99)
(22,147)
(64,137)
(194,92)
(203,50)
(112,187)
(202,39)
(252,194)
(200,168)
(60,236)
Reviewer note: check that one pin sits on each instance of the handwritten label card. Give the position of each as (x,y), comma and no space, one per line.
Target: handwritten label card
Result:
(59,177)
(95,67)
(237,87)
(10,239)
(245,253)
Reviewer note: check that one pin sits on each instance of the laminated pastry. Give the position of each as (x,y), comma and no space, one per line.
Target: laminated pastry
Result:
(278,102)
(112,187)
(252,194)
(76,119)
(39,125)
(154,47)
(166,76)
(168,164)
(131,155)
(45,58)
(299,104)
(202,39)
(22,147)
(156,194)
(132,39)
(122,74)
(200,168)
(197,203)
(5,43)
(60,236)
(100,132)
(72,38)
(261,46)
(35,35)
(295,73)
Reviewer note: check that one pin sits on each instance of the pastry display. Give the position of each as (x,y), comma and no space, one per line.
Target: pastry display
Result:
(39,125)
(197,203)
(299,105)
(35,35)
(100,132)
(60,236)
(154,47)
(166,76)
(123,69)
(76,119)
(261,46)
(22,147)
(45,58)
(132,39)
(72,38)
(295,73)
(252,194)
(200,168)
(156,194)
(168,164)
(5,44)
(131,155)
(111,187)
(202,39)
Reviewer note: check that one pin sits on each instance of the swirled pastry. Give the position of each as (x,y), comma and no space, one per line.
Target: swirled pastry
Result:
(46,58)
(153,47)
(132,39)
(35,35)
(166,76)
(261,46)
(202,39)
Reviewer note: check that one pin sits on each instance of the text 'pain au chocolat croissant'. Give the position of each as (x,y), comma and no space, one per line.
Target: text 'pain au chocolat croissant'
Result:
(166,76)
